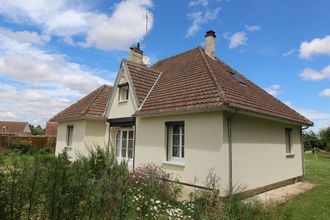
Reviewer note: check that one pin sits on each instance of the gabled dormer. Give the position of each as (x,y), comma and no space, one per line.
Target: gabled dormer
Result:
(133,84)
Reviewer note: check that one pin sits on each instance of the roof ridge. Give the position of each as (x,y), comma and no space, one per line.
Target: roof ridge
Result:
(214,78)
(95,97)
(149,92)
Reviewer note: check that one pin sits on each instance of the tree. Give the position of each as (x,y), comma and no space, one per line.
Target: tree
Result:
(311,140)
(36,130)
(325,138)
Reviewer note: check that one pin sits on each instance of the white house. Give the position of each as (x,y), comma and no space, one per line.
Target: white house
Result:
(190,113)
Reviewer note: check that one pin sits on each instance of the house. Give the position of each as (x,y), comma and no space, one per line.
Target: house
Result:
(14,127)
(190,113)
(51,129)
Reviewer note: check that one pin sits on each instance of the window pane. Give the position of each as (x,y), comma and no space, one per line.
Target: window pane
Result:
(176,151)
(69,135)
(176,140)
(130,154)
(288,140)
(118,144)
(131,135)
(124,144)
(176,129)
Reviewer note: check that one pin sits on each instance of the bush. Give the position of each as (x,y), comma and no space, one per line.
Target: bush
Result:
(98,187)
(24,146)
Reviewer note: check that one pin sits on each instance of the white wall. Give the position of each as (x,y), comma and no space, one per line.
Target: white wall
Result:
(86,133)
(203,145)
(259,152)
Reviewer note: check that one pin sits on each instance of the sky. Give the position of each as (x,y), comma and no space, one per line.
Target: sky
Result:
(52,53)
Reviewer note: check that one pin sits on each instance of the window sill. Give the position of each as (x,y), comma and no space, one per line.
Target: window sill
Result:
(123,101)
(289,155)
(180,164)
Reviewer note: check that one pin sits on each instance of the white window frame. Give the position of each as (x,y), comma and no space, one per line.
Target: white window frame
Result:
(125,97)
(68,128)
(118,149)
(170,134)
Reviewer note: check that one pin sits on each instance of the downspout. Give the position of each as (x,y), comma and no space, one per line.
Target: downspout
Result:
(134,146)
(230,152)
(302,149)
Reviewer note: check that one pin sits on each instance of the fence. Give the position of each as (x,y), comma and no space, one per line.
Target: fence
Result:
(38,141)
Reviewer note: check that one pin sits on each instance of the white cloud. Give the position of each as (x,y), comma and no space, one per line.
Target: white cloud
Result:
(325,92)
(274,90)
(252,28)
(25,36)
(200,17)
(315,47)
(237,39)
(126,25)
(320,119)
(314,75)
(290,52)
(65,18)
(45,83)
(203,3)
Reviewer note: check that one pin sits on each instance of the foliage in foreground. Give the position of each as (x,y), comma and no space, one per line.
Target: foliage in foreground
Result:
(97,187)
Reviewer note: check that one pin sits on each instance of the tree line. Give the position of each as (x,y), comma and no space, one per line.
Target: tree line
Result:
(319,140)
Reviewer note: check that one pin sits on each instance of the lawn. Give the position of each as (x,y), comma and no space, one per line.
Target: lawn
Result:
(314,204)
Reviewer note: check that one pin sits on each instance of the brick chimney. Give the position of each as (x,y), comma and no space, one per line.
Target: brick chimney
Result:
(136,54)
(210,43)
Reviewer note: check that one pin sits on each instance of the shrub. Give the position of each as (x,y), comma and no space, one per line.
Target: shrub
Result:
(24,146)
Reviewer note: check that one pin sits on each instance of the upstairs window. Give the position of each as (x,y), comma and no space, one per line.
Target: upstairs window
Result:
(175,141)
(69,135)
(288,140)
(123,92)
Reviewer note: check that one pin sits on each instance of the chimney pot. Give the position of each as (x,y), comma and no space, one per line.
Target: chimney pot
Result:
(210,43)
(136,54)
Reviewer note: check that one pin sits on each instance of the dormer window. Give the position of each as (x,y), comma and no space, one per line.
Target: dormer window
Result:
(123,92)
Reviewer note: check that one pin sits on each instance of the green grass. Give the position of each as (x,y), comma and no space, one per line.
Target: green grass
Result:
(314,204)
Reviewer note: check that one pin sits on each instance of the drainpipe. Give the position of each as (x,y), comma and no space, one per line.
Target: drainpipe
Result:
(230,152)
(302,149)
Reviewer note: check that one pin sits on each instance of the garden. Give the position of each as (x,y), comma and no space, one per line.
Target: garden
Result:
(38,185)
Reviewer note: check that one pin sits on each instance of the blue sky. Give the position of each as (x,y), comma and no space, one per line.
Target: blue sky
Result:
(55,52)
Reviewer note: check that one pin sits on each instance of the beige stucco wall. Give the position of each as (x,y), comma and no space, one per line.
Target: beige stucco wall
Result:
(85,133)
(122,109)
(203,145)
(259,152)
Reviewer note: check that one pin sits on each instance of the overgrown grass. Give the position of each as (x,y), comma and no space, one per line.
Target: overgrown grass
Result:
(42,186)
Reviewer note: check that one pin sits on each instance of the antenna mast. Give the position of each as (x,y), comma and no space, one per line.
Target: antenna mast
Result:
(145,44)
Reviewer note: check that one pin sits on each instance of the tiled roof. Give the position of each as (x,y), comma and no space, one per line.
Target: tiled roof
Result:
(91,106)
(142,78)
(192,80)
(12,126)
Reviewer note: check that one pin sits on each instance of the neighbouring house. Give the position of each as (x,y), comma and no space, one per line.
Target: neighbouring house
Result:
(190,113)
(51,129)
(14,127)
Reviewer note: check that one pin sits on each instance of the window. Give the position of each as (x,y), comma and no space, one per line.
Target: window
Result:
(237,77)
(288,140)
(175,141)
(124,143)
(123,92)
(69,135)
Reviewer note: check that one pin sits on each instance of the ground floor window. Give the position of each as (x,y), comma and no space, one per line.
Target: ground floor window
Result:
(175,141)
(288,140)
(69,135)
(124,143)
